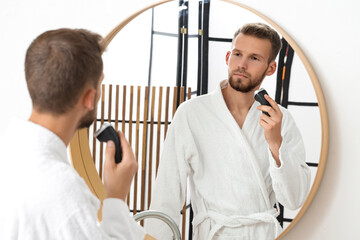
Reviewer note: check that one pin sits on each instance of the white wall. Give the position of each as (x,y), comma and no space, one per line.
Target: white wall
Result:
(327,32)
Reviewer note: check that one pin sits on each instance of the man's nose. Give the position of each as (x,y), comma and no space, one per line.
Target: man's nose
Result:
(243,63)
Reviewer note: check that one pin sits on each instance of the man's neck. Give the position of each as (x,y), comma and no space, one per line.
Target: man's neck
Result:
(62,125)
(238,103)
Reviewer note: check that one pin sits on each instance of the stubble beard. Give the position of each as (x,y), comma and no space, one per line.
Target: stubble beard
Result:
(240,85)
(88,119)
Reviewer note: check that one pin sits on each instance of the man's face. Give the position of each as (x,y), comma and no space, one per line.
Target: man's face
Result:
(248,62)
(89,118)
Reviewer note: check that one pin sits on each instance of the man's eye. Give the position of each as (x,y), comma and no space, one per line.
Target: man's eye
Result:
(236,54)
(255,58)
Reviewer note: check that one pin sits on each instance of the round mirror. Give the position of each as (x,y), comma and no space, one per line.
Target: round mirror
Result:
(183,43)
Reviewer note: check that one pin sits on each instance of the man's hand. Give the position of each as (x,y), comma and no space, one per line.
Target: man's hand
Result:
(272,126)
(118,177)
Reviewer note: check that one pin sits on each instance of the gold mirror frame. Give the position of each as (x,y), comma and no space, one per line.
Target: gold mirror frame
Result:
(80,151)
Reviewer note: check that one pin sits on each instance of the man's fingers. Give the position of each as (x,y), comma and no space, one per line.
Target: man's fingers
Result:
(110,153)
(128,155)
(273,104)
(267,120)
(273,110)
(122,138)
(263,124)
(125,146)
(265,108)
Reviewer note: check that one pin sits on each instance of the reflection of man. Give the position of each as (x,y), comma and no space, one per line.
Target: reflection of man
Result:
(43,196)
(240,162)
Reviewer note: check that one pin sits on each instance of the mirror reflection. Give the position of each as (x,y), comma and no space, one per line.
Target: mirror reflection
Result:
(163,48)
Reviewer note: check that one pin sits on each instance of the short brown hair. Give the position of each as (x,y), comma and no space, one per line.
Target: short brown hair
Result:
(263,31)
(59,64)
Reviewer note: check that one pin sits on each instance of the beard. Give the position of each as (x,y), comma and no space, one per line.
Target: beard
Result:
(242,86)
(90,116)
(88,119)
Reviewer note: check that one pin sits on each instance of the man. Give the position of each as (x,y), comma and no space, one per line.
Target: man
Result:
(239,162)
(43,196)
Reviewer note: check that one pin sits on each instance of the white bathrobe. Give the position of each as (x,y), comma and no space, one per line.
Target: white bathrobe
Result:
(43,197)
(234,180)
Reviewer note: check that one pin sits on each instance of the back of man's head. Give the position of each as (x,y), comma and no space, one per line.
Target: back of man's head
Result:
(59,65)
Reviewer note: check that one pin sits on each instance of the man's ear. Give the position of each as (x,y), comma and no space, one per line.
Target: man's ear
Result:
(271,69)
(88,98)
(227,57)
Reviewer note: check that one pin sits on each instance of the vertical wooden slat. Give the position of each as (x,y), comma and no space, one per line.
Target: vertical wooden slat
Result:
(182,95)
(131,113)
(109,103)
(102,121)
(130,126)
(144,138)
(158,131)
(137,146)
(117,108)
(109,113)
(167,110)
(94,141)
(123,110)
(183,229)
(151,144)
(174,101)
(189,93)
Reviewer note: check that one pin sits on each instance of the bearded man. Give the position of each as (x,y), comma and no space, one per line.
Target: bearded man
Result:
(239,161)
(45,198)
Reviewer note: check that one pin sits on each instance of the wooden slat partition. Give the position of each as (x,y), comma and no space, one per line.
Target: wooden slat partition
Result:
(155,105)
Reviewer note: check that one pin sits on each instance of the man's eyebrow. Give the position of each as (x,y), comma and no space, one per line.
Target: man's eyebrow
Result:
(251,54)
(258,55)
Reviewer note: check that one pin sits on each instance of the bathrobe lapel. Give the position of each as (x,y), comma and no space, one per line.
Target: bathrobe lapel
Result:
(248,126)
